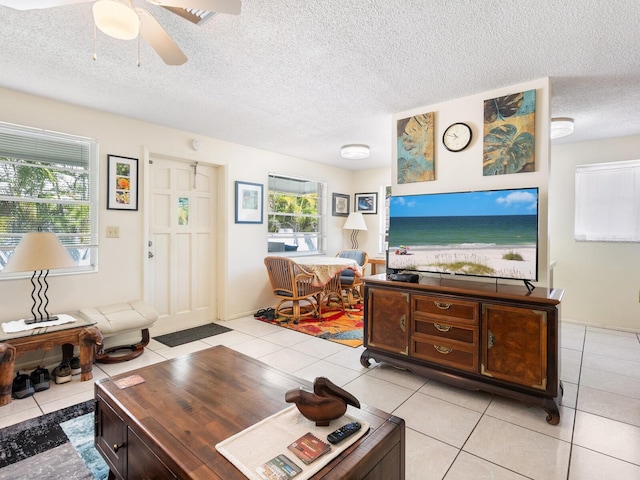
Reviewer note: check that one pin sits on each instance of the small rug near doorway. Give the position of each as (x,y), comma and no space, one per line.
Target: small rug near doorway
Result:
(191,334)
(335,325)
(54,445)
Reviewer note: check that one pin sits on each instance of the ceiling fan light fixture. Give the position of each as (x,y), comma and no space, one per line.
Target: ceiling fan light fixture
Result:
(354,151)
(116,19)
(561,127)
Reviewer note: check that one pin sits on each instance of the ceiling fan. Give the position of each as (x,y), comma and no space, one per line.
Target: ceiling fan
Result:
(121,19)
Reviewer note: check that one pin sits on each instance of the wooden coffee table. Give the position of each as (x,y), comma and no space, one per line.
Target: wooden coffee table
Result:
(80,333)
(168,426)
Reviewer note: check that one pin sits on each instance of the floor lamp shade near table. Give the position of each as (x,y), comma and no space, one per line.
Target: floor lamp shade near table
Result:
(39,252)
(355,222)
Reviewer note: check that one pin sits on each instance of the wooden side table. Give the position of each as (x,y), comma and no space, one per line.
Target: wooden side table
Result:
(80,333)
(374,264)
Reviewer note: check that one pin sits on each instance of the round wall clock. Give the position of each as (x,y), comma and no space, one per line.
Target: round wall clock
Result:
(457,137)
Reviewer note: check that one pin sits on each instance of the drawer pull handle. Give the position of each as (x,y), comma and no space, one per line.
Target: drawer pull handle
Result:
(491,340)
(117,447)
(403,323)
(443,350)
(442,305)
(442,328)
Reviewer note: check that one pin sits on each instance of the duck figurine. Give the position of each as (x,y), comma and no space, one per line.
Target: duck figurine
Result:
(326,403)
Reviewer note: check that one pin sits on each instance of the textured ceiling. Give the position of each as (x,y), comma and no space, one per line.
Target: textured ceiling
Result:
(303,78)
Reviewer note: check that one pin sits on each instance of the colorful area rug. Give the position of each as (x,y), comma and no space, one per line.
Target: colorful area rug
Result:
(334,325)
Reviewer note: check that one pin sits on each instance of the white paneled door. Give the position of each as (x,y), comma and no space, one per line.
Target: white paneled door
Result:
(182,261)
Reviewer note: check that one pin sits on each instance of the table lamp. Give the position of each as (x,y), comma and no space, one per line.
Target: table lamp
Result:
(355,222)
(39,252)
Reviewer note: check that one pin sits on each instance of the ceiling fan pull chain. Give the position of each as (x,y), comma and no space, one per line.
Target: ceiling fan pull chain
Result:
(138,50)
(95,55)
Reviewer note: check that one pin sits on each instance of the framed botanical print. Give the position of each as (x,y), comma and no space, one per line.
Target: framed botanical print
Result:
(366,203)
(122,183)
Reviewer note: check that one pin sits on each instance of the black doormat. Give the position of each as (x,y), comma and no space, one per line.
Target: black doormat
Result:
(191,334)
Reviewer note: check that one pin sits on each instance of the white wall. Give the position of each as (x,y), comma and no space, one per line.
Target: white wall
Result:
(601,280)
(462,171)
(242,279)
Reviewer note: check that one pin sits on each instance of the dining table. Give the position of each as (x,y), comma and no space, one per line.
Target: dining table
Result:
(326,271)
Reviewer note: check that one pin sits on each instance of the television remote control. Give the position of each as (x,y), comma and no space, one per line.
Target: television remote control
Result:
(343,432)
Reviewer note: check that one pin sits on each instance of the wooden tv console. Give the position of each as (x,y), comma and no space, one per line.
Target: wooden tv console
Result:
(493,337)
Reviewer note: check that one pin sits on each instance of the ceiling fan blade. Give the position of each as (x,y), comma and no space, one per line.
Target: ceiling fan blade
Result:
(159,39)
(38,4)
(231,7)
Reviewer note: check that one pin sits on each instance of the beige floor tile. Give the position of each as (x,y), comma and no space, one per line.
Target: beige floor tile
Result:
(288,360)
(609,405)
(611,364)
(603,435)
(589,465)
(397,376)
(20,416)
(471,399)
(147,358)
(65,390)
(533,418)
(468,466)
(350,358)
(570,395)
(228,338)
(321,368)
(615,351)
(320,348)
(610,382)
(618,339)
(571,356)
(441,420)
(182,350)
(256,348)
(16,406)
(286,337)
(67,401)
(426,458)
(378,393)
(570,372)
(519,449)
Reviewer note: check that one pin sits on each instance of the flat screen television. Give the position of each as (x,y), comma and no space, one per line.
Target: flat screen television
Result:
(489,233)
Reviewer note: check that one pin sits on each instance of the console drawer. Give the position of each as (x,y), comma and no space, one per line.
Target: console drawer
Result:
(453,354)
(445,308)
(446,331)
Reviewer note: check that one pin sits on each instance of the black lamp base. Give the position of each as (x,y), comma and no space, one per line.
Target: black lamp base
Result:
(40,320)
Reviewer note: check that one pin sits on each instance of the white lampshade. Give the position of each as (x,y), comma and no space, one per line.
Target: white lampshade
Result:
(39,251)
(116,19)
(354,151)
(561,127)
(355,221)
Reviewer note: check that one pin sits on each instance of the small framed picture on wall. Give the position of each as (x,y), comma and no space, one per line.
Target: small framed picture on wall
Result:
(122,183)
(340,205)
(366,203)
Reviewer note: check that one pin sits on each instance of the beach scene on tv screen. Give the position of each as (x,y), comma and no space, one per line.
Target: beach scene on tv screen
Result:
(487,233)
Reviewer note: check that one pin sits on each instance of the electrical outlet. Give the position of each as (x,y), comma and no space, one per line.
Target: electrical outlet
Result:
(113,232)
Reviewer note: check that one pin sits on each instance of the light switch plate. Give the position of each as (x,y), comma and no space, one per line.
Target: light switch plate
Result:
(113,232)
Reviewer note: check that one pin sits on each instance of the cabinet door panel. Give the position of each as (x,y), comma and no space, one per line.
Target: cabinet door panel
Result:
(144,463)
(110,437)
(388,320)
(514,345)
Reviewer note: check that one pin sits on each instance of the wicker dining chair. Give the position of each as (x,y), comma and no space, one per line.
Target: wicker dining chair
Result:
(349,281)
(293,285)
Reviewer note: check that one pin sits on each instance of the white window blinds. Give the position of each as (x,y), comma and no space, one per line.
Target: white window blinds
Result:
(608,202)
(48,181)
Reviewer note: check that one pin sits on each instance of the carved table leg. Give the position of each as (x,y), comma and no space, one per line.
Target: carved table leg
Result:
(7,360)
(90,337)
(550,406)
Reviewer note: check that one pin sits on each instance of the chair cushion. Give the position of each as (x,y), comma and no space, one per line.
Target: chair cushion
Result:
(357,255)
(121,317)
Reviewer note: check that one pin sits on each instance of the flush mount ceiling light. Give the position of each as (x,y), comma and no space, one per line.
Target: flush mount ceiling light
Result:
(561,127)
(116,19)
(354,151)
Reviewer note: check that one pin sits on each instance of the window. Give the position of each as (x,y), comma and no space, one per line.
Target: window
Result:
(383,234)
(608,202)
(295,215)
(48,181)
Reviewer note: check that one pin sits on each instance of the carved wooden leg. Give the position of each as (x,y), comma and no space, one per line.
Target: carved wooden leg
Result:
(553,414)
(7,361)
(90,337)
(364,359)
